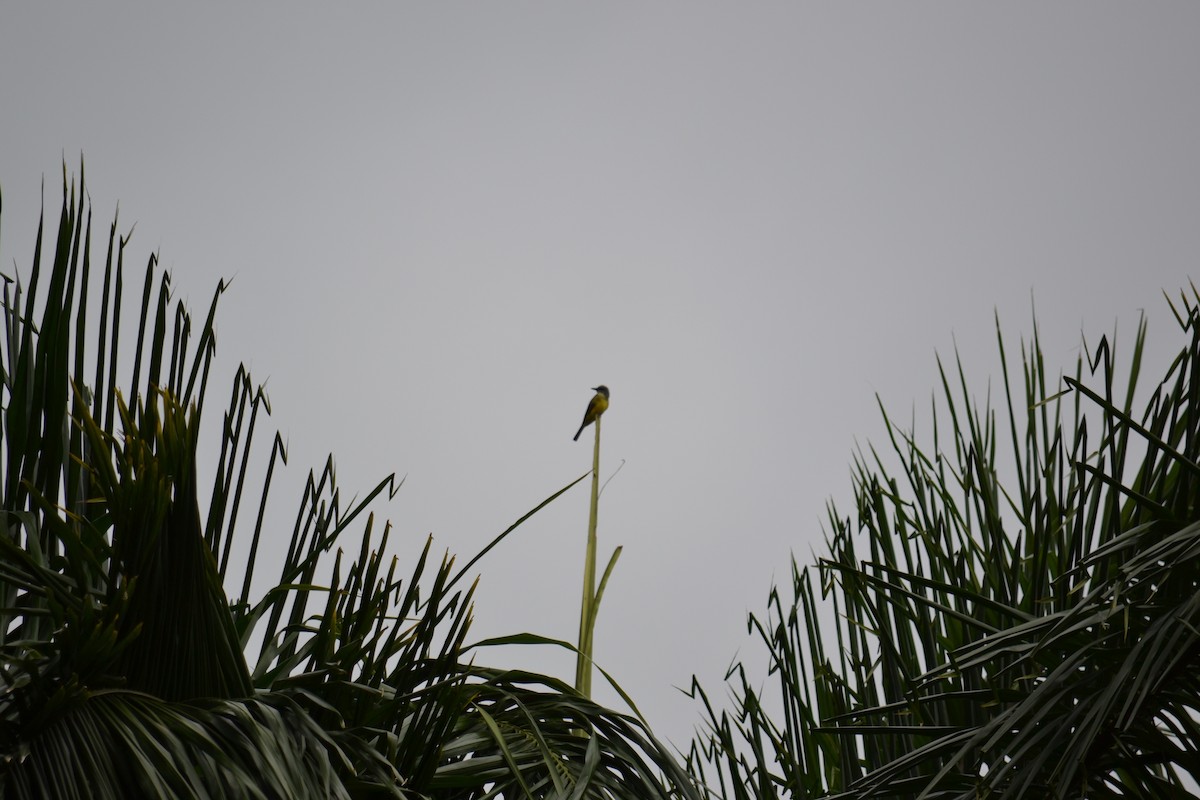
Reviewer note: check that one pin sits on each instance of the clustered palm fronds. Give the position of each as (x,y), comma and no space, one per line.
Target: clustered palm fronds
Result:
(1014,614)
(122,666)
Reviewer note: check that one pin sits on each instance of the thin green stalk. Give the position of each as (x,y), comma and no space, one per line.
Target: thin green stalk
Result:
(587,610)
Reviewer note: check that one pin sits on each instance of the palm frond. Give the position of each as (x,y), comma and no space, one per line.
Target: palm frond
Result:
(122,666)
(1014,615)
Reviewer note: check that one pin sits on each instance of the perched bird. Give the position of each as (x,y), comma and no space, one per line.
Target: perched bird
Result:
(595,408)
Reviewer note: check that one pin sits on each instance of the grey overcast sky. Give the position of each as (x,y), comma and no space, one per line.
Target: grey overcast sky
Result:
(445,222)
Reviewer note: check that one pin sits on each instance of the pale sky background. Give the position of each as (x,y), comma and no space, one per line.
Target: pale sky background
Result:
(446,222)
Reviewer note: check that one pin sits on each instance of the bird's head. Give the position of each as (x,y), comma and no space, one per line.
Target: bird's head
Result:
(602,389)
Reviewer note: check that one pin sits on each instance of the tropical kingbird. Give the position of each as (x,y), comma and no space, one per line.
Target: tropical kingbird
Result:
(595,408)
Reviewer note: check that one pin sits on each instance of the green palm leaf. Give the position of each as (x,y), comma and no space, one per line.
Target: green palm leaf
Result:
(122,666)
(1014,615)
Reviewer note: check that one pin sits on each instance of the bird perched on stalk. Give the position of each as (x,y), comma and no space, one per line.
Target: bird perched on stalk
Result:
(595,408)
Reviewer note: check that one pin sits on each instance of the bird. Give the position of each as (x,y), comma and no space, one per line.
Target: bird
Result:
(595,408)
